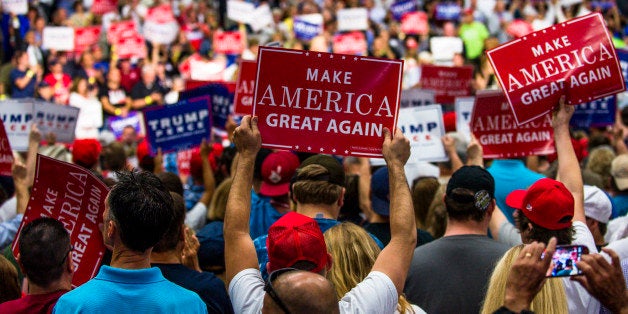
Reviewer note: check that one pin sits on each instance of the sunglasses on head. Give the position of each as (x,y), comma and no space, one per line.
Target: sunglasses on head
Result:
(271,291)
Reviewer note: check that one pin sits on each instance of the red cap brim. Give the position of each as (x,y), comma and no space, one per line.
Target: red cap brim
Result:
(274,190)
(515,199)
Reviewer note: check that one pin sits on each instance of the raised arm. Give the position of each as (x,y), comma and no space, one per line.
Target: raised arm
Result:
(568,166)
(34,137)
(239,250)
(449,143)
(394,260)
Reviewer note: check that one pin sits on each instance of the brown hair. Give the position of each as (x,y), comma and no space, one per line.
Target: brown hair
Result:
(309,188)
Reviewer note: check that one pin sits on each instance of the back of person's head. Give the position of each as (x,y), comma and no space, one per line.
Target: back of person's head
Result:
(296,240)
(141,207)
(85,152)
(173,236)
(353,253)
(218,204)
(470,194)
(298,291)
(597,206)
(44,246)
(600,160)
(9,283)
(424,190)
(551,298)
(380,192)
(171,181)
(544,210)
(619,171)
(319,180)
(114,157)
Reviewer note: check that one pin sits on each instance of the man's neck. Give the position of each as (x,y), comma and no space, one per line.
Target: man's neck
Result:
(168,257)
(455,227)
(127,259)
(63,283)
(318,210)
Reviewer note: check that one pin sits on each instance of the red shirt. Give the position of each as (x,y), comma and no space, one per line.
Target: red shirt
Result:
(32,303)
(60,86)
(129,79)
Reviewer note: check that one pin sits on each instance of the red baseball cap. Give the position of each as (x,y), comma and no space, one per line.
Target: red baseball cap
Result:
(277,170)
(293,238)
(85,152)
(546,203)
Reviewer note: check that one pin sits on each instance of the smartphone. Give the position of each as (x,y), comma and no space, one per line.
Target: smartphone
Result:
(565,258)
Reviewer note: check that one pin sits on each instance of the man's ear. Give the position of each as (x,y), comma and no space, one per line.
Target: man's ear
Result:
(341,199)
(17,259)
(70,265)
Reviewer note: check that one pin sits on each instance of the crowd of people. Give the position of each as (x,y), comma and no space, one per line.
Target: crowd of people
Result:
(247,229)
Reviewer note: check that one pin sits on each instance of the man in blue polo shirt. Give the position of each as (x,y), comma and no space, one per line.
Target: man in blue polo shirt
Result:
(137,214)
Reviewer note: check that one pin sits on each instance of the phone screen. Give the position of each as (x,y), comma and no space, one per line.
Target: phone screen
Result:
(565,258)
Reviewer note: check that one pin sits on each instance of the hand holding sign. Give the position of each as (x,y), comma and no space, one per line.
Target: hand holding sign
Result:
(396,149)
(247,137)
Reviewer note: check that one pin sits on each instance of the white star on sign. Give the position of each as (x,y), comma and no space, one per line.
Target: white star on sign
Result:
(355,58)
(322,149)
(307,54)
(343,57)
(346,151)
(333,150)
(319,55)
(309,148)
(296,147)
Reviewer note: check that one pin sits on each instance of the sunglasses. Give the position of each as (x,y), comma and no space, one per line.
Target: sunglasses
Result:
(271,291)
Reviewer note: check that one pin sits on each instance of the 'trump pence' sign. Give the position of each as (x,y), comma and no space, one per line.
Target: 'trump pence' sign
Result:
(325,103)
(493,124)
(76,198)
(424,127)
(575,58)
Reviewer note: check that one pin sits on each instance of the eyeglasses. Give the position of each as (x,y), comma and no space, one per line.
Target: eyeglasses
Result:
(65,256)
(271,291)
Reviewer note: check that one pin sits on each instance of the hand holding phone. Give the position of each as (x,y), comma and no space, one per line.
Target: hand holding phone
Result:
(564,260)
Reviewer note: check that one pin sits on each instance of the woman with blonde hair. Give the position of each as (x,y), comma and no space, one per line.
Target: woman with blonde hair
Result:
(551,298)
(353,253)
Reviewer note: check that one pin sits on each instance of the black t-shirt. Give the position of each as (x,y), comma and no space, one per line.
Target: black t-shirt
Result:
(140,90)
(209,287)
(117,97)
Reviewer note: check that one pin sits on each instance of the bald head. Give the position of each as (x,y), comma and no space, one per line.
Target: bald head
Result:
(302,292)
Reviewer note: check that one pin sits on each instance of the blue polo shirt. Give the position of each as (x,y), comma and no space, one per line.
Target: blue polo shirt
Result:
(116,290)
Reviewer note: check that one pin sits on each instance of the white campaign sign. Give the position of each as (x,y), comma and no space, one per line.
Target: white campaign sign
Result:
(240,11)
(464,109)
(417,97)
(261,17)
(58,38)
(164,33)
(424,127)
(17,116)
(352,19)
(58,119)
(15,6)
(443,48)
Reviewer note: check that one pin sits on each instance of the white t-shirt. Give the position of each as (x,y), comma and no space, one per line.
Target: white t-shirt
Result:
(375,294)
(90,115)
(196,217)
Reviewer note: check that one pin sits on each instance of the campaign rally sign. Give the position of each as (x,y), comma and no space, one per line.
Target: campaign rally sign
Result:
(519,28)
(85,37)
(160,25)
(58,119)
(100,7)
(131,47)
(261,17)
(202,70)
(354,19)
(228,42)
(6,155)
(220,94)
(75,197)
(117,124)
(598,113)
(495,127)
(464,110)
(424,127)
(352,43)
(415,97)
(325,103)
(240,11)
(179,126)
(414,23)
(448,82)
(60,38)
(308,26)
(16,7)
(120,30)
(399,8)
(448,11)
(245,88)
(444,48)
(17,116)
(622,54)
(575,58)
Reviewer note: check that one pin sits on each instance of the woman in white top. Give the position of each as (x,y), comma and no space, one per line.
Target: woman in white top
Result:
(83,96)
